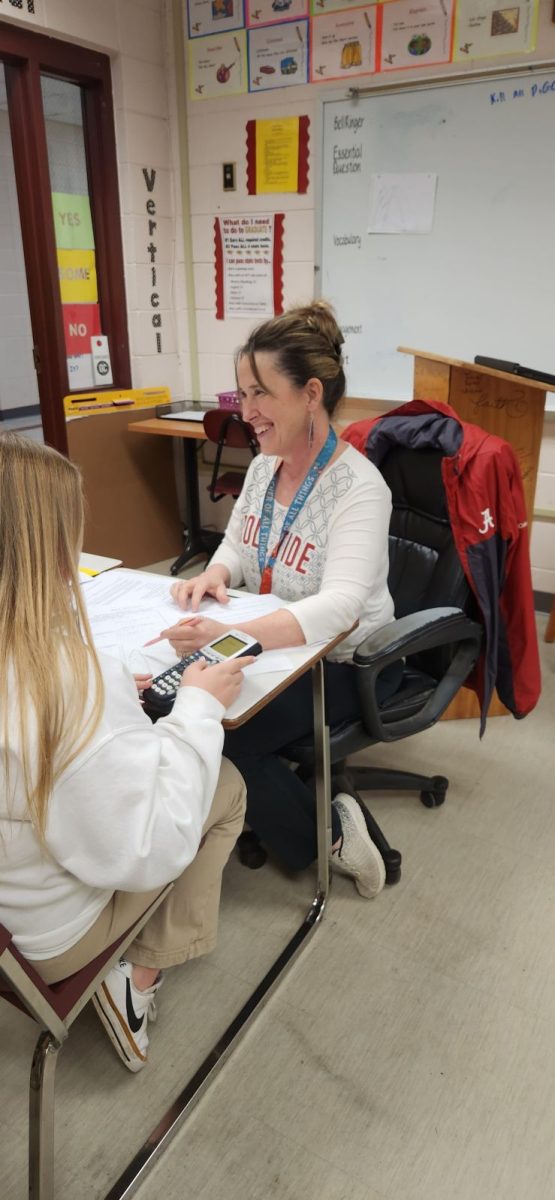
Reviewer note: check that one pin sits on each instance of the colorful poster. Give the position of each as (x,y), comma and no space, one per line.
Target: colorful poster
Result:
(72,221)
(81,322)
(77,272)
(343,45)
(416,35)
(318,7)
(214,16)
(218,66)
(486,30)
(278,56)
(277,155)
(267,12)
(249,265)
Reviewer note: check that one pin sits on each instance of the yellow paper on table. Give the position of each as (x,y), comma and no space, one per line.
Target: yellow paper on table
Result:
(77,271)
(277,155)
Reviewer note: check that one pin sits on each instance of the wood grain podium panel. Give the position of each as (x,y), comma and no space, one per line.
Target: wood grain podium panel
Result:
(132,510)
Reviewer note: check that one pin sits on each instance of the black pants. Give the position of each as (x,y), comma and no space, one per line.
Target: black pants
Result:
(281,809)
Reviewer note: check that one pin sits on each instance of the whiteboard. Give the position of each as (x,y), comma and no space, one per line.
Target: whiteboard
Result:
(482,281)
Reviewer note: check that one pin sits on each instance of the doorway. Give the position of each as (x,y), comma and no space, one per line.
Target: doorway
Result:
(62,295)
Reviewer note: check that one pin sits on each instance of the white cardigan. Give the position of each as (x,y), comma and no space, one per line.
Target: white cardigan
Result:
(332,568)
(126,815)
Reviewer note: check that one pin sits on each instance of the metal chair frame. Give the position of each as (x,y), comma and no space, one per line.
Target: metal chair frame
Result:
(45,1005)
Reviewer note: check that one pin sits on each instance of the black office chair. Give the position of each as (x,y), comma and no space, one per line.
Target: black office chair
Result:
(226,428)
(434,634)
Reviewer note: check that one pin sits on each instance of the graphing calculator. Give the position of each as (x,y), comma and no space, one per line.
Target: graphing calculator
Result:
(159,698)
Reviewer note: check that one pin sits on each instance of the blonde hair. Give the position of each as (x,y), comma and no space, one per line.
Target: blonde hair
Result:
(45,637)
(307,345)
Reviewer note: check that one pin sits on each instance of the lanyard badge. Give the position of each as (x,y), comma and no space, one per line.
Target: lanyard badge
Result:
(266,562)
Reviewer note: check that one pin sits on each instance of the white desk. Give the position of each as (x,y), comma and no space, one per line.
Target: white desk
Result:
(256,692)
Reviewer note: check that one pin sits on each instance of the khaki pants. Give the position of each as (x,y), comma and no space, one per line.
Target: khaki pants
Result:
(185,925)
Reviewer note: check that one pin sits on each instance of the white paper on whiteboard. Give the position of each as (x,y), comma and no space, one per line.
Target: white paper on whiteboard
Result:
(402,203)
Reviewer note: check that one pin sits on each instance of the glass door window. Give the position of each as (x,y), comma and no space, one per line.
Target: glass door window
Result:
(87,348)
(19,393)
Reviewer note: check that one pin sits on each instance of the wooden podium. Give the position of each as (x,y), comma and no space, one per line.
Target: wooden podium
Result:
(504,404)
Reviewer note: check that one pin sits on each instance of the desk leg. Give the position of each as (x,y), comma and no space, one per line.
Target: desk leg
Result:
(198,542)
(182,1107)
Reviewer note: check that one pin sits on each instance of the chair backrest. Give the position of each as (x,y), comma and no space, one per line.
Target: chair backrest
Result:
(228,429)
(425,570)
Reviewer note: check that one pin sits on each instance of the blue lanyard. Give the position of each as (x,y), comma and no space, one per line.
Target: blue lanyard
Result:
(304,491)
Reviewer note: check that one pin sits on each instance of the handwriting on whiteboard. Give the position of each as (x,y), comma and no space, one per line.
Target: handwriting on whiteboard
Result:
(547,88)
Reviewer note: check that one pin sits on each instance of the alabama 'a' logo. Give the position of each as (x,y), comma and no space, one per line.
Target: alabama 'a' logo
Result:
(488,521)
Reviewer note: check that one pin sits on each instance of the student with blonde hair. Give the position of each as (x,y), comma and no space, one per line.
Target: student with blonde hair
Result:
(311,525)
(99,808)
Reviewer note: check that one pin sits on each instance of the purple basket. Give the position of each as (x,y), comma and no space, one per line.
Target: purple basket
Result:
(229,400)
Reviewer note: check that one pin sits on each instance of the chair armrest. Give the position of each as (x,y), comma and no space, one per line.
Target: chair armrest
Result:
(426,630)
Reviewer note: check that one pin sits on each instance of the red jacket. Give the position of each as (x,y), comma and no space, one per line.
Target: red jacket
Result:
(485,500)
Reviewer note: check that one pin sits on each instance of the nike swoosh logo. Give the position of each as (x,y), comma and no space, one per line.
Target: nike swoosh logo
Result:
(134,1022)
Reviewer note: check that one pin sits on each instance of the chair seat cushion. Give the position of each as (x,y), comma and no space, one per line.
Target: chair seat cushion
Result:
(229,484)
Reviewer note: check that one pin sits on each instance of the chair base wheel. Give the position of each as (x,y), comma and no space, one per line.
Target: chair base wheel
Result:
(392,862)
(434,796)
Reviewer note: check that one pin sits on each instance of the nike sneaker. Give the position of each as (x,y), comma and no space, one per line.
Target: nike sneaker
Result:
(124,1012)
(357,855)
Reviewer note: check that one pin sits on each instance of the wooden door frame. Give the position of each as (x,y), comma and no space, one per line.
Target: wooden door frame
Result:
(26,56)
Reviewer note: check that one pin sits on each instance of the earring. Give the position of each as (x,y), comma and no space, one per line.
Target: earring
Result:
(311,432)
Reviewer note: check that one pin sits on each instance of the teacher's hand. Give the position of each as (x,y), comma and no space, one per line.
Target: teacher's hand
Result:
(192,634)
(211,582)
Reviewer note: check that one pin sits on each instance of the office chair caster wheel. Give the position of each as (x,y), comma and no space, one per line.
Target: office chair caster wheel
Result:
(251,853)
(436,795)
(392,862)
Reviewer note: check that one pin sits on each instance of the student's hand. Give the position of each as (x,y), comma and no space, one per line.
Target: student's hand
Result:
(212,582)
(192,634)
(222,680)
(142,682)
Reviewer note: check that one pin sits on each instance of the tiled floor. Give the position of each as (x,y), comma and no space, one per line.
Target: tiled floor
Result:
(409,1055)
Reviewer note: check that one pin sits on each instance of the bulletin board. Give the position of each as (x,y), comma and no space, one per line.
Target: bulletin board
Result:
(457,182)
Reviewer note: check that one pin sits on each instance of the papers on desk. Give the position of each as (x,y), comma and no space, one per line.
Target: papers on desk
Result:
(94,564)
(128,608)
(186,414)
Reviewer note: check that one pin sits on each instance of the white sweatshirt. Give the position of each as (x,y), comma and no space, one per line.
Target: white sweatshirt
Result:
(126,815)
(332,568)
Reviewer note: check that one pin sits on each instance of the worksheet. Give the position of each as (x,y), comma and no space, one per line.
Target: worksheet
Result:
(127,609)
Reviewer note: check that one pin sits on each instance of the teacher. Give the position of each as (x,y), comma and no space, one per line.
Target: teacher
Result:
(311,525)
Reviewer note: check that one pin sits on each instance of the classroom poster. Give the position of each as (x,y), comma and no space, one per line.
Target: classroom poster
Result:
(268,12)
(318,7)
(214,16)
(277,155)
(249,265)
(278,56)
(218,66)
(343,45)
(72,221)
(485,29)
(416,35)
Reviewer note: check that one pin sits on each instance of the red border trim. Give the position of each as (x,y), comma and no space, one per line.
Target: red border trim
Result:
(302,184)
(219,269)
(251,158)
(278,262)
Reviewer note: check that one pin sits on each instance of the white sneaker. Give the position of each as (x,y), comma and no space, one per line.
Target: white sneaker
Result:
(358,856)
(124,1012)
